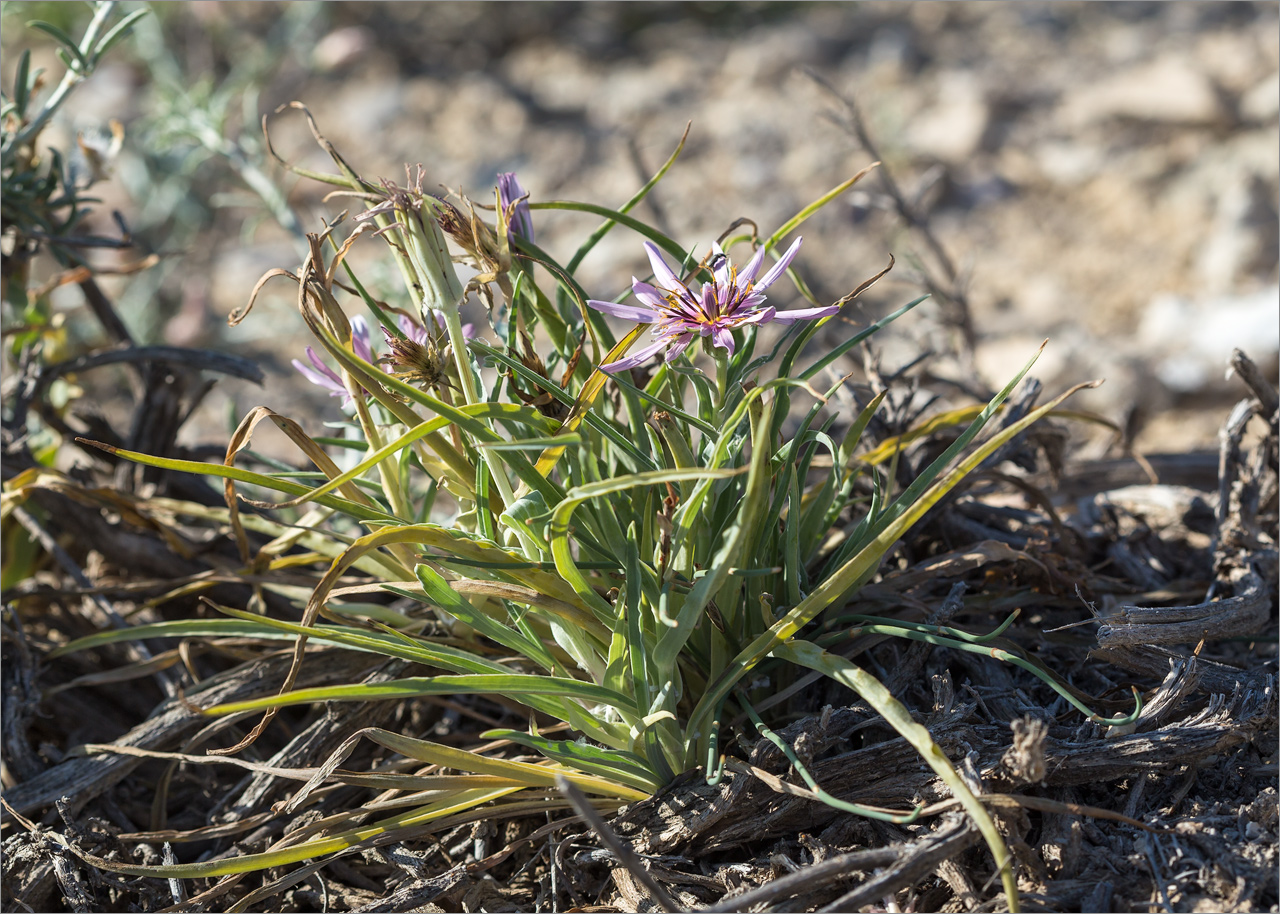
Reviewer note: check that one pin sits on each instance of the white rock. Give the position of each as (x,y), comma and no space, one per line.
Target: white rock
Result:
(1166,90)
(952,128)
(1068,162)
(1233,242)
(342,47)
(1262,102)
(1195,337)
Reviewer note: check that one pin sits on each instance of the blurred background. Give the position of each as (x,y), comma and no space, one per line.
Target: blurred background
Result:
(1103,175)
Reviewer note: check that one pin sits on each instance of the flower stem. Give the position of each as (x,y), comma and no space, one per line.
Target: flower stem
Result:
(73,77)
(722,376)
(497,472)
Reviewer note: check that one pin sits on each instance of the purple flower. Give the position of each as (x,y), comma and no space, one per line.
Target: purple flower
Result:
(511,192)
(326,377)
(731,300)
(413,330)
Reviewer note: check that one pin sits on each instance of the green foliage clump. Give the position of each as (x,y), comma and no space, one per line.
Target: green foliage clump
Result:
(632,554)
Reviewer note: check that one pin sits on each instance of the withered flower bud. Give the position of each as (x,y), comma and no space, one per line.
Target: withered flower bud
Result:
(420,362)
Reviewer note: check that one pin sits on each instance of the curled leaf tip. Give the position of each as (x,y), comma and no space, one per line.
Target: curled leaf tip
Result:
(110,449)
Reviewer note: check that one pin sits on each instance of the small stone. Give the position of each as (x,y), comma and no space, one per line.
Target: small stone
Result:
(953,127)
(342,47)
(1069,162)
(1196,337)
(1168,90)
(1262,102)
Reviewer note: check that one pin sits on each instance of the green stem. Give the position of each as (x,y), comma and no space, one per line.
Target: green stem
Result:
(497,472)
(722,377)
(72,78)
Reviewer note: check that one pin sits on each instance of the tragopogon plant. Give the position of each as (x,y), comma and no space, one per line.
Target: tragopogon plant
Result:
(611,537)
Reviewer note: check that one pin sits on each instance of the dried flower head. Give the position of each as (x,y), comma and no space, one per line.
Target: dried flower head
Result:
(418,217)
(419,355)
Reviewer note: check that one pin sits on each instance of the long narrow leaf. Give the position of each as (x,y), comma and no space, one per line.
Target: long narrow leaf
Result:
(881,699)
(319,847)
(594,237)
(621,218)
(735,545)
(564,511)
(600,424)
(349,508)
(613,764)
(416,687)
(858,568)
(186,628)
(524,772)
(586,399)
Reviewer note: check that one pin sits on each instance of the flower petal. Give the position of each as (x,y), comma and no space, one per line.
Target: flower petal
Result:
(411,329)
(722,268)
(679,346)
(626,312)
(749,272)
(632,361)
(510,191)
(360,338)
(780,267)
(763,316)
(714,297)
(662,272)
(335,389)
(723,337)
(804,314)
(648,294)
(320,365)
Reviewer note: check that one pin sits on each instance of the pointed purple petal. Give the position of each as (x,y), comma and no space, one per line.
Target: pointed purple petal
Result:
(626,312)
(749,272)
(662,272)
(411,329)
(723,270)
(803,314)
(763,316)
(713,300)
(360,338)
(726,294)
(679,346)
(723,337)
(318,379)
(648,294)
(318,362)
(510,191)
(312,376)
(638,358)
(510,188)
(780,267)
(325,370)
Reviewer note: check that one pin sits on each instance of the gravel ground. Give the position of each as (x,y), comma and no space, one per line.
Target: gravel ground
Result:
(1101,175)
